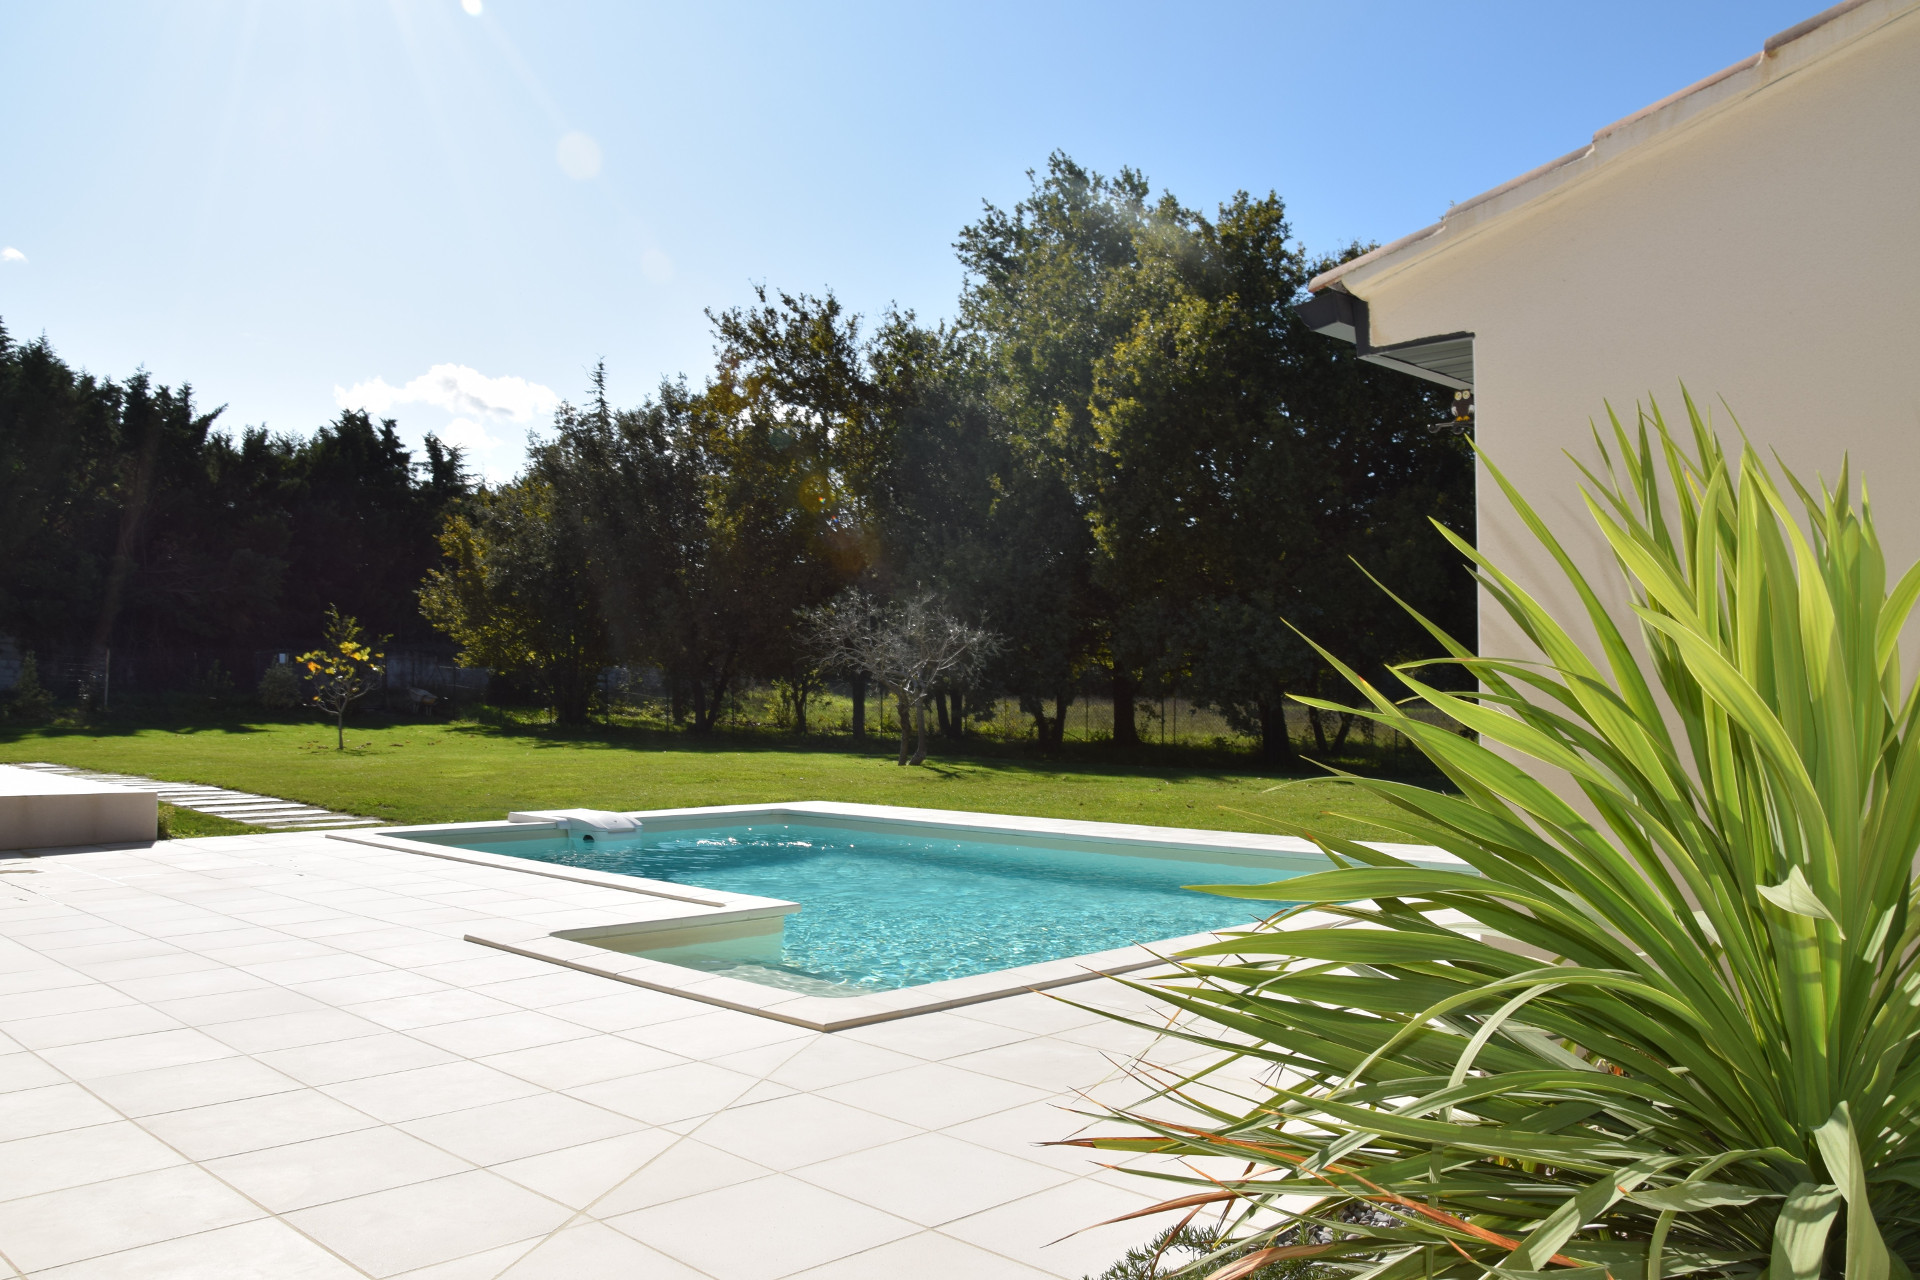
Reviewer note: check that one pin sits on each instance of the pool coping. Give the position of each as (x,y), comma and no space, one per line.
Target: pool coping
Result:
(675,905)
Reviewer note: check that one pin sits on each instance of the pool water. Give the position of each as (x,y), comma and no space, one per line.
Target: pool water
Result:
(880,912)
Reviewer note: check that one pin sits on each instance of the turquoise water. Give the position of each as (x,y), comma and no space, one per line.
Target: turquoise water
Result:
(883,912)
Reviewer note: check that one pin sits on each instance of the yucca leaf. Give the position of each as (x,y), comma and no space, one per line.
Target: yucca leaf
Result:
(1665,1018)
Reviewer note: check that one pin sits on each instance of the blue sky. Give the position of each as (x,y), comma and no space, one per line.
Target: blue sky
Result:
(448,216)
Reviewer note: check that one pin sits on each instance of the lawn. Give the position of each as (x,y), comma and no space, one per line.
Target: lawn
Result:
(464,771)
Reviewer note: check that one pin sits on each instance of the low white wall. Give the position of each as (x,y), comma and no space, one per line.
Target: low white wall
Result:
(46,811)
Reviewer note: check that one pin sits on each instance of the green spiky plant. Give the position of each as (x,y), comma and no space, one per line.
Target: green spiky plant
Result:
(1690,1048)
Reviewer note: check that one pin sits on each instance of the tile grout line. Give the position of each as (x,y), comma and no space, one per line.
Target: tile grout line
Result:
(575,1214)
(184,891)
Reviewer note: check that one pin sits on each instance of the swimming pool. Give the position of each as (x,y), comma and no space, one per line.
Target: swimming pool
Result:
(881,910)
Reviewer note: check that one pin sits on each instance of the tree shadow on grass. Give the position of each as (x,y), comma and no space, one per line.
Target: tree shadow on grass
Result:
(1169,764)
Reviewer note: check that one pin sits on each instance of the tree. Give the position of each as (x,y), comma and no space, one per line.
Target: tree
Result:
(1243,464)
(129,519)
(517,593)
(912,648)
(342,671)
(1048,290)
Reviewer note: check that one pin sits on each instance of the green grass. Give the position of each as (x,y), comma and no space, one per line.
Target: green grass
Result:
(465,771)
(178,824)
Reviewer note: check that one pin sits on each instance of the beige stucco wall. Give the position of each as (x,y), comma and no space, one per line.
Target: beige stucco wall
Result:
(1761,243)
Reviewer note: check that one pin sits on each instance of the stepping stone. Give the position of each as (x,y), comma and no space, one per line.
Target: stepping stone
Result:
(267,812)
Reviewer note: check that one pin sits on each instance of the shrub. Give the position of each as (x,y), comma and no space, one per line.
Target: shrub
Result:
(213,685)
(1178,1248)
(1694,1049)
(280,687)
(30,701)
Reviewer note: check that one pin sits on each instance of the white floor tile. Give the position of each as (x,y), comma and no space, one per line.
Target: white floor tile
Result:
(1044,1063)
(524,1127)
(932,1095)
(237,1006)
(801,1129)
(429,1091)
(292,1030)
(94,1024)
(356,1059)
(430,1222)
(193,1084)
(1036,1014)
(1026,1131)
(435,1008)
(75,1157)
(384,984)
(22,1070)
(577,1062)
(61,1000)
(578,1176)
(626,1009)
(106,1217)
(671,1093)
(794,1226)
(935,1036)
(710,1035)
(53,1108)
(932,1179)
(486,1265)
(304,1174)
(253,1124)
(502,1033)
(832,1060)
(200,982)
(1055,1231)
(591,1250)
(263,1250)
(687,1168)
(927,1256)
(136,1053)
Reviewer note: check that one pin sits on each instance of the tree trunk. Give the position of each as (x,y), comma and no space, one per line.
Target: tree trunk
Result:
(676,698)
(906,729)
(958,724)
(859,683)
(340,729)
(1060,704)
(1276,748)
(1126,732)
(920,730)
(1346,726)
(944,725)
(800,695)
(1319,730)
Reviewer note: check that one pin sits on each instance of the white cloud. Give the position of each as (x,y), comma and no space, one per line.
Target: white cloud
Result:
(457,389)
(579,155)
(472,7)
(470,437)
(11,254)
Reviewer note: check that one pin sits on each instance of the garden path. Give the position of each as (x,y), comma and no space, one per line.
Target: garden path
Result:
(241,806)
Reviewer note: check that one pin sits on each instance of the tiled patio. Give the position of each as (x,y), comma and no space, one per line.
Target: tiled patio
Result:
(274,1056)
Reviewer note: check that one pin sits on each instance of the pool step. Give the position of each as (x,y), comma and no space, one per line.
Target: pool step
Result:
(268,812)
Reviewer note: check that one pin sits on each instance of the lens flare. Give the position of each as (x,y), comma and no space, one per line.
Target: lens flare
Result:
(579,156)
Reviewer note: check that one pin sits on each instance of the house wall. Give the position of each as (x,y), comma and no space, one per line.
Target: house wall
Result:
(1763,247)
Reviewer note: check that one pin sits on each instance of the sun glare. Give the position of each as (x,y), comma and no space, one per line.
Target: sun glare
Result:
(579,156)
(472,7)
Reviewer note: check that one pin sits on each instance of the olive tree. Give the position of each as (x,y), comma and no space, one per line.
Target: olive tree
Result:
(912,647)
